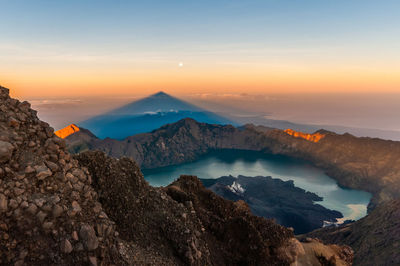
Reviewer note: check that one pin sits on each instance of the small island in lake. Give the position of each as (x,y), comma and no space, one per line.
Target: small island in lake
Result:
(269,197)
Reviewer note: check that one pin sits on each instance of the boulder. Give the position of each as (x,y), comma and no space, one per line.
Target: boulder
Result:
(6,150)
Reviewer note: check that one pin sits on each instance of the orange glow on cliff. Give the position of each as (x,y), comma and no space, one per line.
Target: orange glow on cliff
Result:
(67,131)
(310,137)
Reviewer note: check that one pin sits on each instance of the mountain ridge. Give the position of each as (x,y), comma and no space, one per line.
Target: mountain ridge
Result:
(369,164)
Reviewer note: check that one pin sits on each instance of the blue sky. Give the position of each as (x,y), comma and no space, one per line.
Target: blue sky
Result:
(294,38)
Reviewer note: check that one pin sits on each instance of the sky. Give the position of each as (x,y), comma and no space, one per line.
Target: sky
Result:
(83,48)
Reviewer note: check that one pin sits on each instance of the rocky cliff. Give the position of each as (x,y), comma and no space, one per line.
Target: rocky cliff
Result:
(49,213)
(55,210)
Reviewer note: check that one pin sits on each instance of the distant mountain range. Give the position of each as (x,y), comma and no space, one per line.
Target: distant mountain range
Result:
(146,115)
(309,128)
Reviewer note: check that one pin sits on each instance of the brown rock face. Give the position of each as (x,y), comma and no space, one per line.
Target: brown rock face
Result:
(37,179)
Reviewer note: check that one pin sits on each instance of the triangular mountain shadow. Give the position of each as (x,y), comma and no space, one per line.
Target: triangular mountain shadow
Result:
(146,115)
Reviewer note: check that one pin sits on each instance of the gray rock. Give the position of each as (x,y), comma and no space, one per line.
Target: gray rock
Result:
(88,236)
(6,150)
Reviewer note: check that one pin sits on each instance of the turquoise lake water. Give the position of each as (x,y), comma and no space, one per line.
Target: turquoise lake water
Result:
(351,203)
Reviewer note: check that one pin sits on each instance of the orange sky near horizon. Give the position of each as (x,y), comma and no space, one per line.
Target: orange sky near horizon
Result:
(190,80)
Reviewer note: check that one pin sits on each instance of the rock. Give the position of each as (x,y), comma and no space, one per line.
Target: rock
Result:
(32,209)
(42,172)
(76,207)
(88,236)
(13,122)
(41,216)
(40,202)
(47,225)
(52,166)
(13,204)
(3,203)
(31,144)
(24,204)
(6,150)
(57,211)
(75,236)
(19,263)
(79,174)
(29,169)
(66,246)
(18,191)
(92,261)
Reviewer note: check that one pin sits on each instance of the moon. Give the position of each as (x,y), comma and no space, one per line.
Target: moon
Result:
(180,64)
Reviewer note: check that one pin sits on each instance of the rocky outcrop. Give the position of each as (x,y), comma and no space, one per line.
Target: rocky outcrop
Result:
(375,238)
(49,213)
(67,131)
(310,137)
(100,211)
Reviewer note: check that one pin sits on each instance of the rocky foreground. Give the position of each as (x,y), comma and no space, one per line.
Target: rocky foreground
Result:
(95,210)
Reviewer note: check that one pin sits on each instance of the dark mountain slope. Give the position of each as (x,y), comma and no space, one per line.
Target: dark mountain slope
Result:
(376,237)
